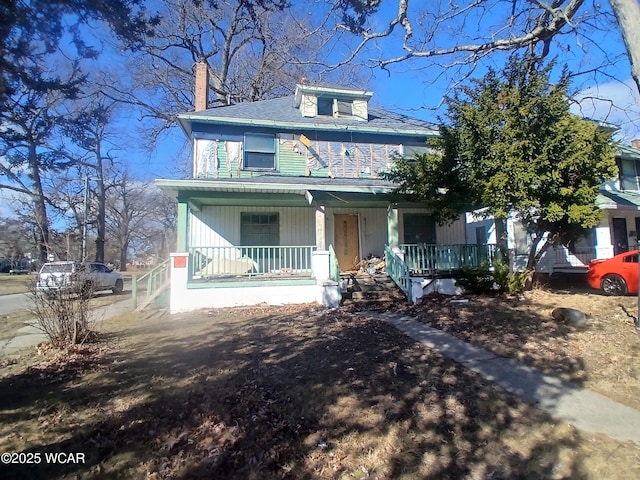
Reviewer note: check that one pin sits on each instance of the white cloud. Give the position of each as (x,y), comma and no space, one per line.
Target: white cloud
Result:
(615,102)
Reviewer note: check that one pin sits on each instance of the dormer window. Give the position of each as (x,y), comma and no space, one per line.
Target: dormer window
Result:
(332,102)
(332,107)
(344,108)
(325,107)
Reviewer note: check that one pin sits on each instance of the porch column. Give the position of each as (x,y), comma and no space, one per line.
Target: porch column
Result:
(181,227)
(178,293)
(392,227)
(321,228)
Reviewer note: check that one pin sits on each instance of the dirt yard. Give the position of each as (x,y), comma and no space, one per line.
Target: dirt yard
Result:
(304,393)
(605,357)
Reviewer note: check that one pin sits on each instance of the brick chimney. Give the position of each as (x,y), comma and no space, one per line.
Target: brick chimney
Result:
(202,86)
(636,143)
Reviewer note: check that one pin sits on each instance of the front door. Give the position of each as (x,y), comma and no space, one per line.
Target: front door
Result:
(620,237)
(346,241)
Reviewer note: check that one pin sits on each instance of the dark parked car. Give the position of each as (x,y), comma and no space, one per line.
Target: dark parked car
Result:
(617,275)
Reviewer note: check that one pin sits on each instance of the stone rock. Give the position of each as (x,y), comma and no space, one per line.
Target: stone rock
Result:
(570,316)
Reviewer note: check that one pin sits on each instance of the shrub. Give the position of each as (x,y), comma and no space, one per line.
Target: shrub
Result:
(63,315)
(478,279)
(484,279)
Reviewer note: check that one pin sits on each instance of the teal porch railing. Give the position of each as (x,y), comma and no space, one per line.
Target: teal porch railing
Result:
(147,287)
(334,270)
(397,270)
(250,261)
(425,259)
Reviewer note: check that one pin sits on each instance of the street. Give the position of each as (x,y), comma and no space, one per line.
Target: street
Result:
(13,303)
(22,301)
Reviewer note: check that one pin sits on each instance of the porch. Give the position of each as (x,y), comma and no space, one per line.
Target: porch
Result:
(575,260)
(420,269)
(241,263)
(247,263)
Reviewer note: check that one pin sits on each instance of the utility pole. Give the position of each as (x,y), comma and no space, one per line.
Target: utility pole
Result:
(84,219)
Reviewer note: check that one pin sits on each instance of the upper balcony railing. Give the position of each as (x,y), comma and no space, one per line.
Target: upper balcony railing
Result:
(229,262)
(425,259)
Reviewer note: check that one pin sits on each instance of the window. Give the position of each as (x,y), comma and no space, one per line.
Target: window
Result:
(259,229)
(629,173)
(344,108)
(585,242)
(325,106)
(481,235)
(259,151)
(419,228)
(631,258)
(521,238)
(332,107)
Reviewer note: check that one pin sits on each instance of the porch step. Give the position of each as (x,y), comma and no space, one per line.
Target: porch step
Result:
(367,291)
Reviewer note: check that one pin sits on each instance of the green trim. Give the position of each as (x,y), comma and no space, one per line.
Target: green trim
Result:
(627,152)
(248,123)
(256,283)
(181,227)
(393,239)
(191,186)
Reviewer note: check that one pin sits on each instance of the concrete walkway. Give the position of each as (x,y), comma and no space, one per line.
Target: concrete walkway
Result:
(30,335)
(581,408)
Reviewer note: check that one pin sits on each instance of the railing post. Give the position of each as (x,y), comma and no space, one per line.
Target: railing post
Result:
(134,290)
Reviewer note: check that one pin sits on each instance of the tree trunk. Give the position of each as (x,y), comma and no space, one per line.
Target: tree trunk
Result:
(123,256)
(39,207)
(501,238)
(102,227)
(627,13)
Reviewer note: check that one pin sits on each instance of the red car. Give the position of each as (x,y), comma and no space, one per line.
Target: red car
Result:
(617,275)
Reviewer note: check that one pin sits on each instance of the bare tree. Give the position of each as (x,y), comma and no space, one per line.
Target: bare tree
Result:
(627,13)
(253,50)
(29,148)
(135,211)
(88,125)
(466,33)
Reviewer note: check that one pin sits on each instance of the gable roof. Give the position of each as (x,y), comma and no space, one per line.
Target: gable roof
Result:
(282,113)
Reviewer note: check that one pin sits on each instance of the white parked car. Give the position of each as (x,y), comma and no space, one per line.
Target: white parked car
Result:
(84,278)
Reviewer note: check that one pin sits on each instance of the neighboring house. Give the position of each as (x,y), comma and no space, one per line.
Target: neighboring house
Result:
(286,193)
(617,232)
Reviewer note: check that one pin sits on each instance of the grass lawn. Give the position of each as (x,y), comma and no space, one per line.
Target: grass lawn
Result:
(304,393)
(15,283)
(11,323)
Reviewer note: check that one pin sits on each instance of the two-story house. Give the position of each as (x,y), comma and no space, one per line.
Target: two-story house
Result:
(286,193)
(617,232)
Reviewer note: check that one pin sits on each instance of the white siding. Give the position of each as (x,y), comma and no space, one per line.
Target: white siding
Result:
(452,234)
(445,234)
(220,226)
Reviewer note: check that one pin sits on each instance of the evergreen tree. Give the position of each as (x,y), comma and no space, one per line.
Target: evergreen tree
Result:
(510,145)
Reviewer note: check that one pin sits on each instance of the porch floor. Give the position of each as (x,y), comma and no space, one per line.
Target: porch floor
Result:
(252,278)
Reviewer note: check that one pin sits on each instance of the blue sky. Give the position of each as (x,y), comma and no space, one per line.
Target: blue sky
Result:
(417,89)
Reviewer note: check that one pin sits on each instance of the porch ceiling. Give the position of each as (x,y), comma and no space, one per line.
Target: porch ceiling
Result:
(281,191)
